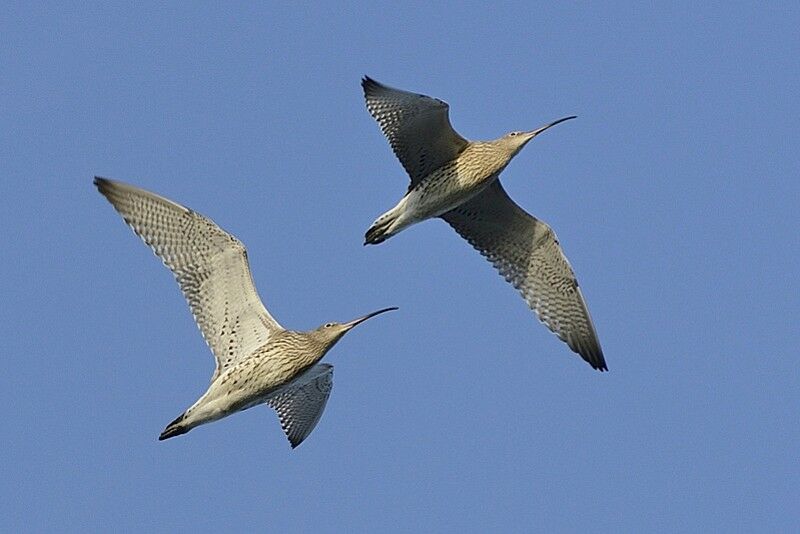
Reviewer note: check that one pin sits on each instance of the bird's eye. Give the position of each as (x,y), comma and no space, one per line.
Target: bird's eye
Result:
(513,134)
(328,325)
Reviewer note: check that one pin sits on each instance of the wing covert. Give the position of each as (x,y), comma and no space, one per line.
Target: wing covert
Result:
(416,126)
(209,264)
(527,254)
(300,403)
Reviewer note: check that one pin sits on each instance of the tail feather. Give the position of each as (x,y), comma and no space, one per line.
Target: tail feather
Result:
(175,428)
(387,224)
(379,231)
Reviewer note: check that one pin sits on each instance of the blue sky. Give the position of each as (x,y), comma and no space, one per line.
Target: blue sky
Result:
(674,194)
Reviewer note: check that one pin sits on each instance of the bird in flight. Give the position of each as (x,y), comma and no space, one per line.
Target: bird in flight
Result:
(458,181)
(257,360)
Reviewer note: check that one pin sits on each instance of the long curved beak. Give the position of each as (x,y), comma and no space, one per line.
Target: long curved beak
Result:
(534,133)
(360,320)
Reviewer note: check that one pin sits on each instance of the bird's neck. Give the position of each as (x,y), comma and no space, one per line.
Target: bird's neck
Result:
(309,350)
(485,158)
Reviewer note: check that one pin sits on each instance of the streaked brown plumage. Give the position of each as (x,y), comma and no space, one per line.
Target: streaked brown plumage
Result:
(458,180)
(258,361)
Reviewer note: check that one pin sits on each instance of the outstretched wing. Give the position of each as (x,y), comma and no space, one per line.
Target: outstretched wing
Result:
(526,252)
(210,265)
(301,402)
(417,127)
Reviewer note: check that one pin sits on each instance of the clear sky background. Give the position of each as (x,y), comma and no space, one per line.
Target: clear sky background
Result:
(675,195)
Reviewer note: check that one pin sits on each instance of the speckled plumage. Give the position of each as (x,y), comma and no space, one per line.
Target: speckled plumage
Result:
(458,180)
(257,360)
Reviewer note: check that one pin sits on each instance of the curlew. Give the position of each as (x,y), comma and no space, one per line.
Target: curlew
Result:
(457,180)
(257,360)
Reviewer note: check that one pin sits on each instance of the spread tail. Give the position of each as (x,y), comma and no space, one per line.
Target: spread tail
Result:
(175,428)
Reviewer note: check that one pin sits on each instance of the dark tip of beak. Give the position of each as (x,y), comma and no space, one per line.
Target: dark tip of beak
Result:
(545,127)
(360,320)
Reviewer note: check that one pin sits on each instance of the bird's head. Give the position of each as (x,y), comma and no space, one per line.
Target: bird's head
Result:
(514,141)
(330,333)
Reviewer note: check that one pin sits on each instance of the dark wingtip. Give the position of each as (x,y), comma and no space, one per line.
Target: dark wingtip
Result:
(596,360)
(589,349)
(369,85)
(106,187)
(101,183)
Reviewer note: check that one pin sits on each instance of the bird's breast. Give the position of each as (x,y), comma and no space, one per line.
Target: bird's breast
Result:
(448,187)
